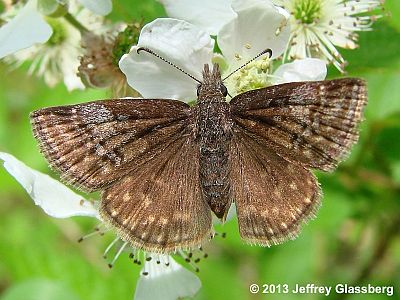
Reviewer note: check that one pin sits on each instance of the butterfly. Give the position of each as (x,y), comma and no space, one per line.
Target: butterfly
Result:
(164,167)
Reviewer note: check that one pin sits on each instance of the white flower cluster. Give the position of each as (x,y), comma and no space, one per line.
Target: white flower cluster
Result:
(319,26)
(52,44)
(254,26)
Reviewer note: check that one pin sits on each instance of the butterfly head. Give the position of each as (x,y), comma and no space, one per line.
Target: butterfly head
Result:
(212,84)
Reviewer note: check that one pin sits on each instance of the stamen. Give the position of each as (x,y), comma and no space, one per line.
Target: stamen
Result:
(266,51)
(97,231)
(156,257)
(145,272)
(110,246)
(118,254)
(167,263)
(205,255)
(222,234)
(189,258)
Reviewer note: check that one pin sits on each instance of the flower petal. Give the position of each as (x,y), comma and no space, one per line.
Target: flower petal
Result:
(100,7)
(210,15)
(51,195)
(177,41)
(259,25)
(24,30)
(308,69)
(167,281)
(69,66)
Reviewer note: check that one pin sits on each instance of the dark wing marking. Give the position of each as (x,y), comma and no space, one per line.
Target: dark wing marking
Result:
(273,196)
(312,123)
(160,206)
(96,143)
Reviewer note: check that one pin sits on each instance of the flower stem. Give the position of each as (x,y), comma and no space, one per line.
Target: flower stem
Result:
(74,22)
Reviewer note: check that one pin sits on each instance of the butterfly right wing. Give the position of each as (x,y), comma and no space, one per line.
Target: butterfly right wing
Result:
(94,144)
(310,123)
(273,196)
(279,133)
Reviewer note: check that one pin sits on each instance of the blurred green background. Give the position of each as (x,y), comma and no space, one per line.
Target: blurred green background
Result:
(353,240)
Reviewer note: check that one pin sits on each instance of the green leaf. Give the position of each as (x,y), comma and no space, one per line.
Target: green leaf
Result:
(38,289)
(388,143)
(146,11)
(395,168)
(383,94)
(2,7)
(392,7)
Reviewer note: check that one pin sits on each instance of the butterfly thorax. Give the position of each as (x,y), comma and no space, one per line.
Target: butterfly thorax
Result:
(214,133)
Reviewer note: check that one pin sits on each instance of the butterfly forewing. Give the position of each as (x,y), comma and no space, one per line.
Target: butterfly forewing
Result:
(273,196)
(311,123)
(160,206)
(96,143)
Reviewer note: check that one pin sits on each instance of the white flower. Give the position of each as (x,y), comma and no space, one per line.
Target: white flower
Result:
(52,44)
(51,195)
(29,27)
(308,69)
(178,41)
(190,48)
(210,15)
(17,34)
(100,7)
(319,26)
(161,278)
(58,59)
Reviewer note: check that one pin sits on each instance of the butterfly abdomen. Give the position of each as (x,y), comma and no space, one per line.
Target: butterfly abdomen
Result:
(214,127)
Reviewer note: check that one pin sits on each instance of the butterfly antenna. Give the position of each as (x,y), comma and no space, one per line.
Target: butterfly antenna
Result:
(269,51)
(167,61)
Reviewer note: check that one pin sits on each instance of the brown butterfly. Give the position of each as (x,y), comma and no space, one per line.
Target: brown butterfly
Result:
(163,167)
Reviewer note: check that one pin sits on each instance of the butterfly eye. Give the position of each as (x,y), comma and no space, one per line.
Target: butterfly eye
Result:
(223,89)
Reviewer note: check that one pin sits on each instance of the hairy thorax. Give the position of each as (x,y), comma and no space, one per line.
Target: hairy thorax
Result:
(214,134)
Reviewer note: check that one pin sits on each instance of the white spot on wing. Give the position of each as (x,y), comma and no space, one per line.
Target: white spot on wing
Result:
(96,113)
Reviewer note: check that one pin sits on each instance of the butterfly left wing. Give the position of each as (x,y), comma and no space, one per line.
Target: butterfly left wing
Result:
(96,143)
(159,206)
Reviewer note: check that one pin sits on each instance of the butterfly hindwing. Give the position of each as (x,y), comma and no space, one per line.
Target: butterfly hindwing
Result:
(96,143)
(311,123)
(160,206)
(273,196)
